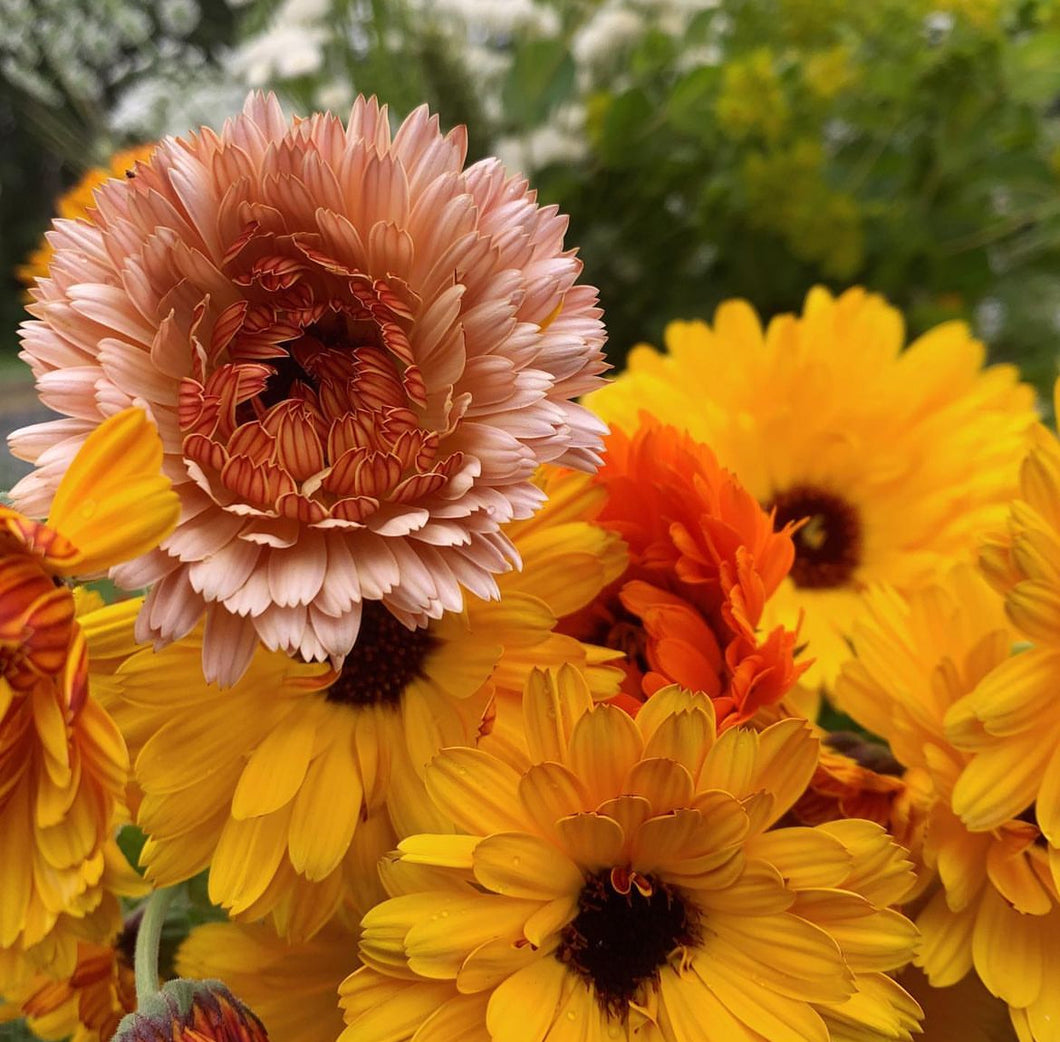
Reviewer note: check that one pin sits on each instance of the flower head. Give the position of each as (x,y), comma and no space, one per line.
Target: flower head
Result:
(703,560)
(894,459)
(89,1003)
(626,884)
(357,353)
(926,665)
(293,782)
(63,763)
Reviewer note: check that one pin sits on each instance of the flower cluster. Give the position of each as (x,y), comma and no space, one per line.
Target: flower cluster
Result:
(440,710)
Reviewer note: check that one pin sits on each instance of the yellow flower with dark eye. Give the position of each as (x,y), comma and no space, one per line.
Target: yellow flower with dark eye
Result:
(628,884)
(896,458)
(293,781)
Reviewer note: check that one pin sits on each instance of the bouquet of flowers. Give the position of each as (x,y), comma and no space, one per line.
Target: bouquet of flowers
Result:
(445,689)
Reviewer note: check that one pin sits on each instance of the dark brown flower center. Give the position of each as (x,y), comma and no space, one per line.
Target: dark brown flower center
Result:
(828,544)
(866,753)
(625,931)
(386,657)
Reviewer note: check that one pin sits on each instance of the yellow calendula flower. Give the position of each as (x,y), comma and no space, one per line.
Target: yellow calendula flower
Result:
(291,783)
(895,458)
(63,763)
(924,661)
(291,987)
(78,202)
(628,885)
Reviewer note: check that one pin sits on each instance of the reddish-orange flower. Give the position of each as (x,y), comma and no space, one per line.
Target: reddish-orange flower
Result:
(703,560)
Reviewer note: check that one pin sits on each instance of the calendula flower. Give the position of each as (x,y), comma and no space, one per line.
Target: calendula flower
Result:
(289,783)
(703,560)
(192,1011)
(922,663)
(63,764)
(626,884)
(80,202)
(357,353)
(860,778)
(291,987)
(86,1006)
(895,458)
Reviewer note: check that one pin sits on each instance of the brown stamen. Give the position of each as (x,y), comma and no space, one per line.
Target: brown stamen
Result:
(624,934)
(386,657)
(828,543)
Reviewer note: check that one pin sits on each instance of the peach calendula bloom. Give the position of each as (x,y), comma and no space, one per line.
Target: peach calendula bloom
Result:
(79,202)
(63,763)
(291,781)
(357,352)
(627,884)
(922,662)
(192,1011)
(896,457)
(703,561)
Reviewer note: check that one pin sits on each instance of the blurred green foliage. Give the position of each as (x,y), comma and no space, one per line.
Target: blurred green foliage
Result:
(901,145)
(912,146)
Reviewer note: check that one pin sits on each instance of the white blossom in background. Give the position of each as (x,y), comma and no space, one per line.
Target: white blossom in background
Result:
(175,100)
(602,39)
(82,53)
(492,19)
(292,45)
(561,140)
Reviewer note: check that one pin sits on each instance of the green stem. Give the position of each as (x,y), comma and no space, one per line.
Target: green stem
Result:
(147,941)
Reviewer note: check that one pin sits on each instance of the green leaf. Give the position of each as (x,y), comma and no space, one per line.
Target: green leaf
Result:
(690,108)
(541,76)
(627,121)
(131,841)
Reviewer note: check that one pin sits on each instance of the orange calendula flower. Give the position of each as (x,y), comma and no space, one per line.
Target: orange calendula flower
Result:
(357,351)
(63,764)
(703,561)
(80,202)
(192,1011)
(925,664)
(626,884)
(88,1005)
(895,457)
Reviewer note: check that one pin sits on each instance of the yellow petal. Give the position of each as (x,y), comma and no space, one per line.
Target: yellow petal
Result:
(520,865)
(523,1008)
(326,811)
(276,768)
(479,792)
(114,503)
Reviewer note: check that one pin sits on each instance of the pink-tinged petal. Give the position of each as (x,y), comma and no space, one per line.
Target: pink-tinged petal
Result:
(342,336)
